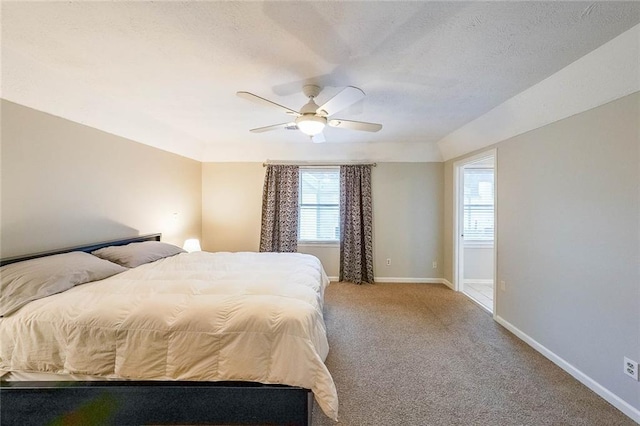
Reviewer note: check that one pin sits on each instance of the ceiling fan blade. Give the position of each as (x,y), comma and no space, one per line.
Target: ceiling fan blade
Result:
(355,125)
(287,126)
(262,101)
(346,97)
(319,138)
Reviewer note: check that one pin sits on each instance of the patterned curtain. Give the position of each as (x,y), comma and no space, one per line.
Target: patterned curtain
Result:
(279,230)
(356,230)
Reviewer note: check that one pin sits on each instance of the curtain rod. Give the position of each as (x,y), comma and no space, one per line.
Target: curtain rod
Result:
(316,163)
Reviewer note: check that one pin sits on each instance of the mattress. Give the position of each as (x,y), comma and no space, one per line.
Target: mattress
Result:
(194,316)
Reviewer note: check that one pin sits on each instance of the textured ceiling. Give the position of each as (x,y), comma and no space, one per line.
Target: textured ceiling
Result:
(166,73)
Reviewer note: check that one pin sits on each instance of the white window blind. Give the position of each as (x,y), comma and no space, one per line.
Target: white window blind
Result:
(478,205)
(319,203)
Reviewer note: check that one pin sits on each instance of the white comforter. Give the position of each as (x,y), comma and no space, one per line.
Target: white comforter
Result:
(195,316)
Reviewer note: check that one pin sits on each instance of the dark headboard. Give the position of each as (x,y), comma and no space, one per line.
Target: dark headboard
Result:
(85,248)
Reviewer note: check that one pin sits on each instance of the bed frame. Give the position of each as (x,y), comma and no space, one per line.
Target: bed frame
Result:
(148,402)
(86,248)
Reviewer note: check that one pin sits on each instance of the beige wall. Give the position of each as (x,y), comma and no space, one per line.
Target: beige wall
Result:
(407,214)
(65,184)
(231,206)
(568,234)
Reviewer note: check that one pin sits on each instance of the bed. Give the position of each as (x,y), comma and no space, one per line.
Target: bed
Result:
(185,339)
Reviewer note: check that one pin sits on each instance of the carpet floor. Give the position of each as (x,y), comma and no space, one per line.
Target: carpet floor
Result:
(421,354)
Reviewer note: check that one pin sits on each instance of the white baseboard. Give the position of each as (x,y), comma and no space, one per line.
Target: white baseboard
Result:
(448,284)
(411,280)
(605,393)
(403,280)
(407,280)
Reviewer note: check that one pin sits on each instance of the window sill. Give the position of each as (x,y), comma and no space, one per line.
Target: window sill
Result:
(332,244)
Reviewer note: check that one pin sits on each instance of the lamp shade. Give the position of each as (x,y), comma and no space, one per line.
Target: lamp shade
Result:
(191,245)
(311,124)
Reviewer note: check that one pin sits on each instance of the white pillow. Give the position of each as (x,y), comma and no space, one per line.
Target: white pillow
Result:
(136,254)
(23,282)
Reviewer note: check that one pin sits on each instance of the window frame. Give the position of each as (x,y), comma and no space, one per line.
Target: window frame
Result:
(475,242)
(316,243)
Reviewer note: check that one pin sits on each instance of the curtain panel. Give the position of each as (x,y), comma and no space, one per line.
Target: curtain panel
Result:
(356,225)
(279,230)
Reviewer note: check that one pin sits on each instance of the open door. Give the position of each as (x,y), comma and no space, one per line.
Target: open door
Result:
(475,248)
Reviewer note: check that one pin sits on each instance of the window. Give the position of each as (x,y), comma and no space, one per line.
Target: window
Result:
(319,205)
(478,205)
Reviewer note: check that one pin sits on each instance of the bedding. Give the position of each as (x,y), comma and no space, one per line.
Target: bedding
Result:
(193,316)
(35,279)
(136,254)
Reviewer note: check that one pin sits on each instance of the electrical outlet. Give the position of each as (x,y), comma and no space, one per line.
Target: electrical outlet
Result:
(631,368)
(435,264)
(503,286)
(388,262)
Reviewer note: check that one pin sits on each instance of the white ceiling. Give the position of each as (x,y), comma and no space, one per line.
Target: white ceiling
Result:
(166,73)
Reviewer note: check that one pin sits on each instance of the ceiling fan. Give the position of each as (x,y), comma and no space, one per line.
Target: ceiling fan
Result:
(311,119)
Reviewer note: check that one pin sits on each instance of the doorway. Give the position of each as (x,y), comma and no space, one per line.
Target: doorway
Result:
(475,246)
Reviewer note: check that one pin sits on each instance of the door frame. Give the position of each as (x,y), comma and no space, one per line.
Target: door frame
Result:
(458,217)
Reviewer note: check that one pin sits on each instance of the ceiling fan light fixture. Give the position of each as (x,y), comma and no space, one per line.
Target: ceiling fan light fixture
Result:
(311,125)
(312,119)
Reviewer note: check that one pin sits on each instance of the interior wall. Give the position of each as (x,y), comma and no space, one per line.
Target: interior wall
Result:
(407,215)
(231,206)
(568,235)
(65,184)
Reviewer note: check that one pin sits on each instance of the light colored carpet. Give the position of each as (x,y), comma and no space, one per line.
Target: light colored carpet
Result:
(421,354)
